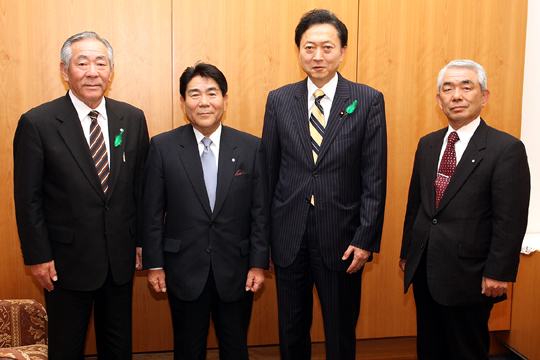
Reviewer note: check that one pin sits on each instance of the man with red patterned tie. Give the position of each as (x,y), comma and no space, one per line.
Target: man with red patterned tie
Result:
(465,222)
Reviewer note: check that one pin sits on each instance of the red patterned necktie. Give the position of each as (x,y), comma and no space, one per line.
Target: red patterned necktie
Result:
(99,151)
(447,167)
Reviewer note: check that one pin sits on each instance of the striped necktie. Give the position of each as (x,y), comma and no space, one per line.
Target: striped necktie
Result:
(99,151)
(317,124)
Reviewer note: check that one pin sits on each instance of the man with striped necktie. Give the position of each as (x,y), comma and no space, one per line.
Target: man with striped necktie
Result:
(325,138)
(78,170)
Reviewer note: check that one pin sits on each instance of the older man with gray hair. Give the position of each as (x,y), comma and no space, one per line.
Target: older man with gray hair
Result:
(78,165)
(465,221)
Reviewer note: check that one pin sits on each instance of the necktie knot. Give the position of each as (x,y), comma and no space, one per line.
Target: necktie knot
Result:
(93,115)
(319,94)
(206,141)
(453,138)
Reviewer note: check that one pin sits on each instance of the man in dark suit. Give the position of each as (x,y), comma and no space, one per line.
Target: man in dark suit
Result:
(78,182)
(465,221)
(206,220)
(327,166)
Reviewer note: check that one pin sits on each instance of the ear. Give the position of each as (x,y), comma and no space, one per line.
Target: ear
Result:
(343,52)
(64,71)
(183,103)
(485,97)
(438,97)
(225,98)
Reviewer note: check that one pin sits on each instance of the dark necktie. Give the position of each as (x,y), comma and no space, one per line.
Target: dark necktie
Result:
(208,161)
(446,169)
(99,151)
(317,124)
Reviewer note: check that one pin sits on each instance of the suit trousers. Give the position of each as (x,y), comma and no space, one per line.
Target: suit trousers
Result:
(339,295)
(191,320)
(448,332)
(69,314)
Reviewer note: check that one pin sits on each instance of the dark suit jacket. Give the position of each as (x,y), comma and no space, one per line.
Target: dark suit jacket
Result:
(183,235)
(62,212)
(348,181)
(481,220)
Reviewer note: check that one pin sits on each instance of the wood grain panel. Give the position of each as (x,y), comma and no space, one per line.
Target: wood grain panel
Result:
(525,327)
(402,46)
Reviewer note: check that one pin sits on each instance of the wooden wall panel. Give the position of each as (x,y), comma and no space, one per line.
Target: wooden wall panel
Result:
(395,46)
(523,334)
(402,46)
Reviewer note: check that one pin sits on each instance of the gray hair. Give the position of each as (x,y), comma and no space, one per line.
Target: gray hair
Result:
(65,53)
(469,64)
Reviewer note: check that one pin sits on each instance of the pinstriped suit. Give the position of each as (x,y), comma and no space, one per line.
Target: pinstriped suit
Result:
(348,183)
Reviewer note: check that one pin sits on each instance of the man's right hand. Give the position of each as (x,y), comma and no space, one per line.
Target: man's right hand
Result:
(156,278)
(45,274)
(402,263)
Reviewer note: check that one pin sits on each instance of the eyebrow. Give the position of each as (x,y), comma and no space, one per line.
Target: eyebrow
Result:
(213,88)
(99,57)
(461,82)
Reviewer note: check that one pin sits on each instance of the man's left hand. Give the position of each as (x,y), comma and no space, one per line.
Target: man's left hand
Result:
(360,258)
(138,259)
(494,288)
(255,279)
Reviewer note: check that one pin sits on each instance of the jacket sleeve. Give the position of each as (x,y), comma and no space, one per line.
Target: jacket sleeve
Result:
(510,188)
(260,213)
(28,173)
(373,178)
(154,208)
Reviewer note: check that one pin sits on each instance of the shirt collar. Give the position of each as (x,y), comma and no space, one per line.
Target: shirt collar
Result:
(83,109)
(329,88)
(215,136)
(466,132)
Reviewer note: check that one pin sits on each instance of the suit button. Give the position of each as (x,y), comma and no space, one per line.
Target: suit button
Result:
(308,200)
(106,206)
(421,246)
(212,225)
(209,249)
(315,174)
(434,221)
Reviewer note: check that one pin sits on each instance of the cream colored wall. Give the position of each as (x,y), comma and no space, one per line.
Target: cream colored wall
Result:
(396,46)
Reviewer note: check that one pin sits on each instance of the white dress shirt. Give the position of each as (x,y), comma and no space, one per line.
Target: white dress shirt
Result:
(465,134)
(326,102)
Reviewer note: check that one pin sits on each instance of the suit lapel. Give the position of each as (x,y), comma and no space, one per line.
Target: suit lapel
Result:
(228,158)
(469,161)
(188,153)
(300,116)
(115,122)
(341,98)
(71,132)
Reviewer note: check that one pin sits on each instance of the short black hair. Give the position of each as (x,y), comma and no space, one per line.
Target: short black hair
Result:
(320,16)
(206,71)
